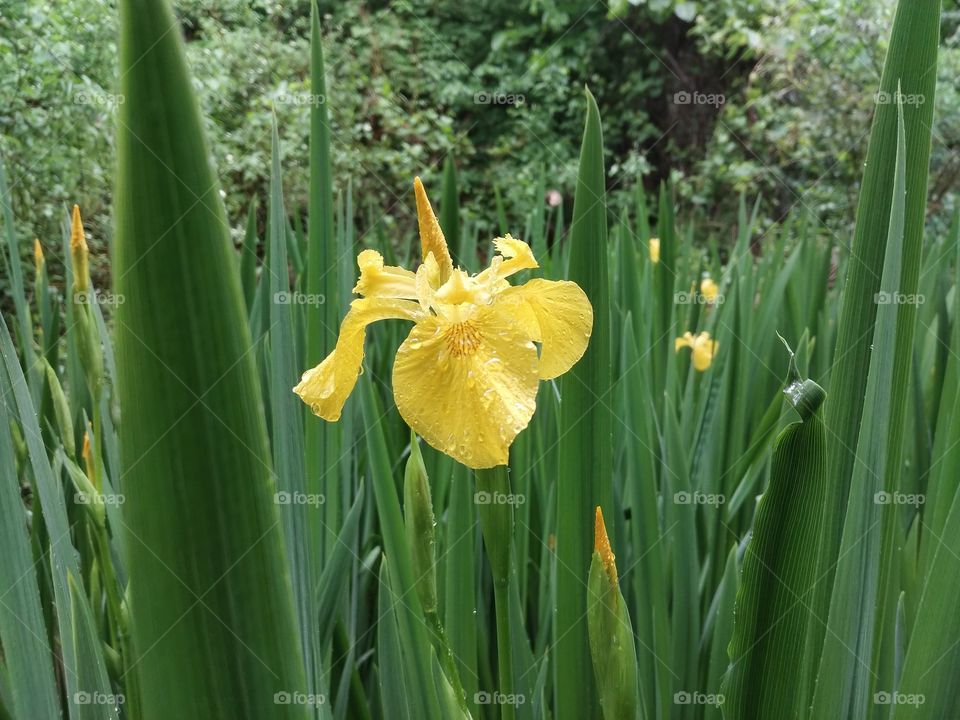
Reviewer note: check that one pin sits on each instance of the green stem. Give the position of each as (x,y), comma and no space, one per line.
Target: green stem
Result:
(496,523)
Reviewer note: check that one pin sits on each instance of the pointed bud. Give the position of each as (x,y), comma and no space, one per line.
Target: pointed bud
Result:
(418,518)
(431,236)
(38,259)
(79,252)
(61,410)
(87,455)
(610,632)
(601,545)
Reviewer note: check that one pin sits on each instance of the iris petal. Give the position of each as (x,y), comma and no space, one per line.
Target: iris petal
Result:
(325,387)
(565,319)
(467,388)
(384,281)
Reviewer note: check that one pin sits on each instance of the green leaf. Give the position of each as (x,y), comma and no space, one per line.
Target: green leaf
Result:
(22,631)
(771,658)
(585,426)
(845,679)
(214,628)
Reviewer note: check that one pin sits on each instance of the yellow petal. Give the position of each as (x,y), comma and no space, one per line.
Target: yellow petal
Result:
(325,388)
(654,250)
(682,342)
(467,388)
(518,256)
(431,236)
(384,281)
(565,319)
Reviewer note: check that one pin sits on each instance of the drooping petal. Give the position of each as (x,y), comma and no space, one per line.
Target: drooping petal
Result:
(467,388)
(431,236)
(686,340)
(325,388)
(565,319)
(383,281)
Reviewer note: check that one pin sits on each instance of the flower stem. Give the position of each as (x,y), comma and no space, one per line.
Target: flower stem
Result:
(496,523)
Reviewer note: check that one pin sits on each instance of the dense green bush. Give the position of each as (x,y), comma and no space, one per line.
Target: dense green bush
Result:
(498,84)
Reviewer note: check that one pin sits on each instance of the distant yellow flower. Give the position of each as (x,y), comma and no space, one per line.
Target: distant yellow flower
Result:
(704,349)
(709,289)
(654,250)
(466,377)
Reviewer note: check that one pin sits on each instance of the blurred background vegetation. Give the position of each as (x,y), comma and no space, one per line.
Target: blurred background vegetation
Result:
(783,95)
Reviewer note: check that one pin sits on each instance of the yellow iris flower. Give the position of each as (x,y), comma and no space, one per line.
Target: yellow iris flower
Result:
(466,377)
(704,349)
(709,289)
(654,250)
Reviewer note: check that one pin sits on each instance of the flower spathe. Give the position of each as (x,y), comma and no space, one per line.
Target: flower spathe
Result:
(466,377)
(704,349)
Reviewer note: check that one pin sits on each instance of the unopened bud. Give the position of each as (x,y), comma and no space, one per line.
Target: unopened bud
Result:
(79,253)
(418,518)
(611,633)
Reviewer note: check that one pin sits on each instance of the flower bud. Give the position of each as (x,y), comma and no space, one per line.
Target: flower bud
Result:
(611,632)
(79,253)
(418,518)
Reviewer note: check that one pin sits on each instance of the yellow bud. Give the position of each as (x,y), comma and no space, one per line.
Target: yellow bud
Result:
(38,259)
(601,545)
(79,252)
(87,455)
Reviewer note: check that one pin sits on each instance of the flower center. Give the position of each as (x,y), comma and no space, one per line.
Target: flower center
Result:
(462,339)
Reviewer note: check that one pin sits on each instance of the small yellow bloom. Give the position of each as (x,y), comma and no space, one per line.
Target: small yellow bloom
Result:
(79,252)
(704,349)
(709,289)
(654,250)
(466,377)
